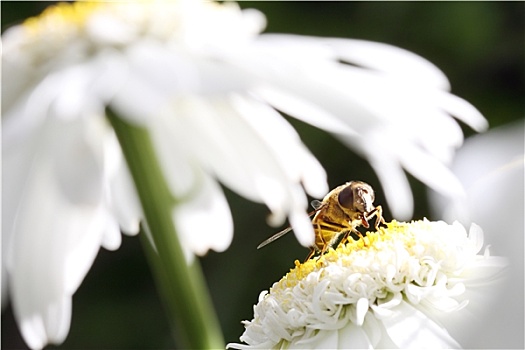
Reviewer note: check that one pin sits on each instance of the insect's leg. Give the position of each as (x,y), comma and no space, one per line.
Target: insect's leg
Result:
(359,234)
(325,247)
(312,252)
(319,234)
(378,212)
(345,237)
(379,217)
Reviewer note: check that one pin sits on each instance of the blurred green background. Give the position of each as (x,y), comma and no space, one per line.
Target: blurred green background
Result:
(479,46)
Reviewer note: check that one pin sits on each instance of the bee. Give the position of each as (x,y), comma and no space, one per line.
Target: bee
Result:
(340,212)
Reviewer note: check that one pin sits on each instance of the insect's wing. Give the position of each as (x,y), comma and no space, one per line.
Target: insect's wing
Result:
(316,204)
(274,237)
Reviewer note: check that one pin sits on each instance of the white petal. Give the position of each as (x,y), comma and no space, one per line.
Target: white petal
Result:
(302,226)
(353,337)
(49,260)
(325,340)
(430,171)
(304,109)
(105,29)
(204,220)
(162,73)
(15,66)
(344,102)
(146,92)
(409,328)
(121,194)
(181,173)
(475,234)
(77,165)
(241,155)
(391,60)
(464,111)
(376,332)
(361,310)
(378,56)
(52,327)
(393,180)
(328,94)
(485,270)
(284,141)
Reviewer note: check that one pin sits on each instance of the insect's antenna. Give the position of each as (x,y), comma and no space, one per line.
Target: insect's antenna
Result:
(283,232)
(274,237)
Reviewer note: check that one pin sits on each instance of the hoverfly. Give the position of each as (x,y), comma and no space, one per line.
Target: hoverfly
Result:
(339,213)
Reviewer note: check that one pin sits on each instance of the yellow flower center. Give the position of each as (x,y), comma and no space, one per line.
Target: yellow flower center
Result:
(61,15)
(373,241)
(71,33)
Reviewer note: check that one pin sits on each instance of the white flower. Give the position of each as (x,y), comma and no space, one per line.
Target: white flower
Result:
(396,289)
(491,169)
(205,84)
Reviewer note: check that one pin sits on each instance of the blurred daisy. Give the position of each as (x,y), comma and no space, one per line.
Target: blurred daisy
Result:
(207,86)
(491,168)
(396,289)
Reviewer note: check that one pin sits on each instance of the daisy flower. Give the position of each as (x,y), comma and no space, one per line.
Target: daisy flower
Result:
(205,86)
(491,168)
(398,287)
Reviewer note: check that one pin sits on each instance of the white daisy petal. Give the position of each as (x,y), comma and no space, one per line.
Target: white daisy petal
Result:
(51,272)
(464,111)
(38,331)
(59,251)
(411,329)
(304,109)
(286,145)
(420,122)
(323,341)
(361,309)
(122,196)
(391,60)
(353,337)
(436,175)
(303,228)
(391,175)
(204,222)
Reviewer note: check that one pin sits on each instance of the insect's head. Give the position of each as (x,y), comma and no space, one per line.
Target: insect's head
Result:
(357,196)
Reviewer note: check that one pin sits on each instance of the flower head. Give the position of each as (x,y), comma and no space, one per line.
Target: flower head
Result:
(391,289)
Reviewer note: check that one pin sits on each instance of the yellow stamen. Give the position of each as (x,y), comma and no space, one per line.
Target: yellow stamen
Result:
(395,230)
(62,14)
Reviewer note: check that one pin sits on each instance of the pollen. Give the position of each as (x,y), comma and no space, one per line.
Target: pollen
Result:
(394,233)
(61,15)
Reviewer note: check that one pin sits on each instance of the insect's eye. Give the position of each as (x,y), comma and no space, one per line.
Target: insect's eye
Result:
(346,198)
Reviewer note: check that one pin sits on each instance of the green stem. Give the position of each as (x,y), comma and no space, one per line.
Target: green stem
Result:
(183,287)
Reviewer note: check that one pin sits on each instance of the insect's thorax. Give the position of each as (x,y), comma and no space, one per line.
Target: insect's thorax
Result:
(331,221)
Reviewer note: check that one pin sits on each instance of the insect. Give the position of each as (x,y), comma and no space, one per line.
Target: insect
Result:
(339,213)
